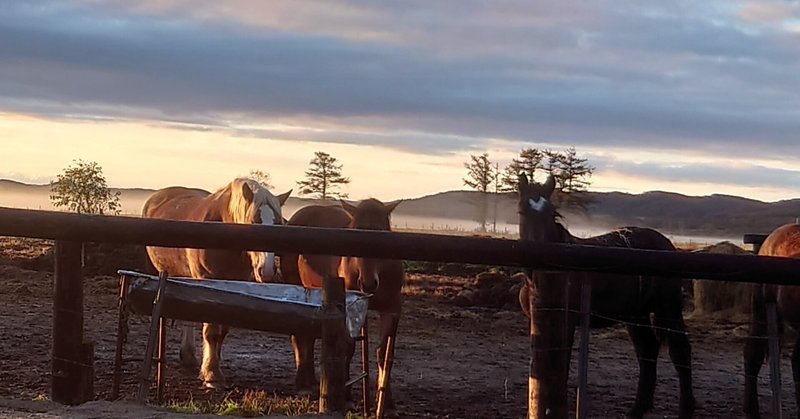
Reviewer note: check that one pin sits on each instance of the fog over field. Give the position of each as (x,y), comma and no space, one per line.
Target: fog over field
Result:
(37,197)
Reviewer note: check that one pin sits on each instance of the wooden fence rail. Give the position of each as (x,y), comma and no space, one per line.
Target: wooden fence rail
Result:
(395,245)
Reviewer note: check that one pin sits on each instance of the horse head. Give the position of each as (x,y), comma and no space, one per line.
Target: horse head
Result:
(252,203)
(370,214)
(537,213)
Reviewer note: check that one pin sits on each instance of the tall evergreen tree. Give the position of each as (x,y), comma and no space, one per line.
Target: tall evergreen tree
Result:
(322,177)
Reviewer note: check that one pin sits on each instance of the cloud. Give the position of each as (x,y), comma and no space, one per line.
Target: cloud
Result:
(433,78)
(738,174)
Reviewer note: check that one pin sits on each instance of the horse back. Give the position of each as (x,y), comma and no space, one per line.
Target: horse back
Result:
(179,203)
(782,242)
(631,237)
(628,296)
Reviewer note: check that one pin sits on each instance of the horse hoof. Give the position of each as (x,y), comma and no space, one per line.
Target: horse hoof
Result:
(636,413)
(214,385)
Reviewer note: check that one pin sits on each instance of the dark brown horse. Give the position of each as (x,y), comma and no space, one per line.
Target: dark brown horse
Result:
(784,242)
(381,278)
(242,201)
(614,298)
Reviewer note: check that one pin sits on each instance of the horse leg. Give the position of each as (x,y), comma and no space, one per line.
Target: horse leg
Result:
(647,346)
(755,351)
(188,360)
(680,353)
(305,380)
(210,372)
(388,322)
(796,369)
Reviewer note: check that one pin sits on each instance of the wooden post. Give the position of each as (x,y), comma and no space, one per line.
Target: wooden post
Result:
(334,331)
(386,372)
(774,359)
(162,358)
(365,387)
(72,370)
(122,336)
(582,409)
(549,365)
(155,318)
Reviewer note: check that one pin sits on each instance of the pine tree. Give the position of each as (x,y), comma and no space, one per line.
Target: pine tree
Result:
(323,175)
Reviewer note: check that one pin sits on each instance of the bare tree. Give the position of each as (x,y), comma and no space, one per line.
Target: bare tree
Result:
(262,177)
(323,175)
(481,173)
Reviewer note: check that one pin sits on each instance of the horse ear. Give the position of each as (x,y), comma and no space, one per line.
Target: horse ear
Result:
(522,179)
(283,197)
(350,208)
(391,206)
(247,193)
(549,185)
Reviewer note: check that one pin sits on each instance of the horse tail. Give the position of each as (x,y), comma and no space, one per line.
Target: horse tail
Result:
(668,312)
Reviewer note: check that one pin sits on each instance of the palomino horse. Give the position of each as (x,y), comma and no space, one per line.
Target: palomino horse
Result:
(619,298)
(243,201)
(381,278)
(784,242)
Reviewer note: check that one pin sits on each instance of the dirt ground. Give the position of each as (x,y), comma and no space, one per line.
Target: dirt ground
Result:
(451,361)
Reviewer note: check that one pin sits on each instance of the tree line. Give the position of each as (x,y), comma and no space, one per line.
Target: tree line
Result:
(82,186)
(570,172)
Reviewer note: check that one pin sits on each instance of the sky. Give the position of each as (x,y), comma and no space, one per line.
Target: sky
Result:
(690,97)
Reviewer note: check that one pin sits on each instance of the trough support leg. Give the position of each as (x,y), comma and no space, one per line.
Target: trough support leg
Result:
(162,358)
(334,334)
(122,336)
(72,367)
(365,385)
(774,359)
(384,374)
(144,376)
(582,409)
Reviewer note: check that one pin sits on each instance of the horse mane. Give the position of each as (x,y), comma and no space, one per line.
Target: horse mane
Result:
(240,208)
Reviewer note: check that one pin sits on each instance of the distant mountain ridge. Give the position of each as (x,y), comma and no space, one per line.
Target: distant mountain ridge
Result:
(672,213)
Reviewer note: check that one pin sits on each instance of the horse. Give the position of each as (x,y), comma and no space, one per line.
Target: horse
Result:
(383,278)
(242,201)
(783,242)
(614,298)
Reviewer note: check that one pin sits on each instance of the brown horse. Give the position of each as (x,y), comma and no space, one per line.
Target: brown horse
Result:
(381,278)
(242,201)
(614,298)
(784,242)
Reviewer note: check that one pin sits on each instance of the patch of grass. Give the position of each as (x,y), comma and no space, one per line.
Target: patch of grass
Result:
(41,397)
(252,404)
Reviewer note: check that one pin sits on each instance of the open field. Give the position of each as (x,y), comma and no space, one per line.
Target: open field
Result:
(452,361)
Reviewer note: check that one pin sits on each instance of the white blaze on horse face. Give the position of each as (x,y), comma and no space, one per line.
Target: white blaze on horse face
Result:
(264,262)
(537,204)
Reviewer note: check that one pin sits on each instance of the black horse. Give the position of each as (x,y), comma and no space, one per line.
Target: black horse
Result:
(622,298)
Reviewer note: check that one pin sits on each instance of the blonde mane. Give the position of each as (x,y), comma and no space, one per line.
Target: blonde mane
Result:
(240,208)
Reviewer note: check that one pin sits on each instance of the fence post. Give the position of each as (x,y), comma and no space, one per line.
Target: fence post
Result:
(72,359)
(332,374)
(549,365)
(582,410)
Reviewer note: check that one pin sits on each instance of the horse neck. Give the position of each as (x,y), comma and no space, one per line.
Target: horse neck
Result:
(220,202)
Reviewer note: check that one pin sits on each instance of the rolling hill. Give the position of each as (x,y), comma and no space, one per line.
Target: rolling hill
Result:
(672,213)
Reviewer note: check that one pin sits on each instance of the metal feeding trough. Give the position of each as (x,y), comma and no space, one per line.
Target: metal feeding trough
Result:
(279,308)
